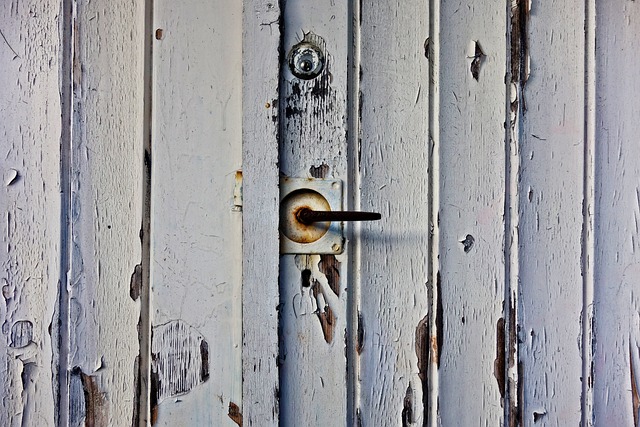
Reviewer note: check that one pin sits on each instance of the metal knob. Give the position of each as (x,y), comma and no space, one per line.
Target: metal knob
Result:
(308,216)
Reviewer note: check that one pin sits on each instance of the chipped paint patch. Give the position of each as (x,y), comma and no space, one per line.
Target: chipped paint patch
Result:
(21,334)
(235,414)
(89,405)
(635,398)
(330,267)
(180,359)
(476,60)
(135,284)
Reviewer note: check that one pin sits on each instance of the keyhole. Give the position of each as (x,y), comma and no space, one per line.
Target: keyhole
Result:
(306,60)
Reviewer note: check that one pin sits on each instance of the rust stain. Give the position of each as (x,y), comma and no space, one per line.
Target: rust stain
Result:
(499,367)
(235,414)
(634,388)
(476,62)
(360,335)
(135,284)
(330,267)
(423,334)
(325,315)
(520,46)
(407,407)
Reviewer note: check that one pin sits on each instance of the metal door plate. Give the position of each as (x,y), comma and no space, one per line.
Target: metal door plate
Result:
(310,239)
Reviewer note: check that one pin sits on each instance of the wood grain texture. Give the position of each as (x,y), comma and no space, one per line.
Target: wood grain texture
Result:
(30,204)
(313,311)
(470,283)
(260,242)
(550,108)
(106,210)
(617,215)
(196,241)
(393,151)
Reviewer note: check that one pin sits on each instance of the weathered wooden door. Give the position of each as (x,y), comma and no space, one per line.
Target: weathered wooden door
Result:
(146,147)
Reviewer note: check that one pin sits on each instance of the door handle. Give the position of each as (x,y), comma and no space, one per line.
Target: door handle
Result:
(309,216)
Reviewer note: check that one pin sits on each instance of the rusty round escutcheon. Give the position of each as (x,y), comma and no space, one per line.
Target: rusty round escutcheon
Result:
(289,223)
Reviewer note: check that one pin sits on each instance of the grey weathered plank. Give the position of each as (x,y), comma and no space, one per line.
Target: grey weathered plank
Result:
(313,311)
(30,205)
(469,194)
(260,243)
(616,363)
(106,207)
(196,229)
(391,154)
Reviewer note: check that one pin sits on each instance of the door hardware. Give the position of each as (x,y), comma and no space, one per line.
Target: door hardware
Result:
(311,216)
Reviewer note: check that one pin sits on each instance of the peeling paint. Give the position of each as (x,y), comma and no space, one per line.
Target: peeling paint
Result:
(21,334)
(422,346)
(436,346)
(235,414)
(467,243)
(635,398)
(520,45)
(477,60)
(499,368)
(360,334)
(89,404)
(407,407)
(325,314)
(180,359)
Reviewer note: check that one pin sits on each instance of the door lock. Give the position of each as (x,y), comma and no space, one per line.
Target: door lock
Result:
(311,216)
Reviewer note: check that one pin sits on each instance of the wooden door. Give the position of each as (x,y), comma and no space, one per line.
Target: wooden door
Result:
(142,149)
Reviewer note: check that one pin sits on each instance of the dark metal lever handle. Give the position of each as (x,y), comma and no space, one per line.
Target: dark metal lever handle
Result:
(308,216)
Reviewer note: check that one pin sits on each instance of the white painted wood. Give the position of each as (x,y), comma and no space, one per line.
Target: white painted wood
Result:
(260,243)
(393,325)
(106,211)
(30,130)
(470,282)
(313,289)
(551,146)
(196,269)
(616,370)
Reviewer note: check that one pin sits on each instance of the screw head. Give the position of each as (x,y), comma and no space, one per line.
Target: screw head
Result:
(306,61)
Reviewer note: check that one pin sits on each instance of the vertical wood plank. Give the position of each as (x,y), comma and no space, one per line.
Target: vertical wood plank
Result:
(196,241)
(616,370)
(392,330)
(106,208)
(30,132)
(260,242)
(547,95)
(313,288)
(469,285)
